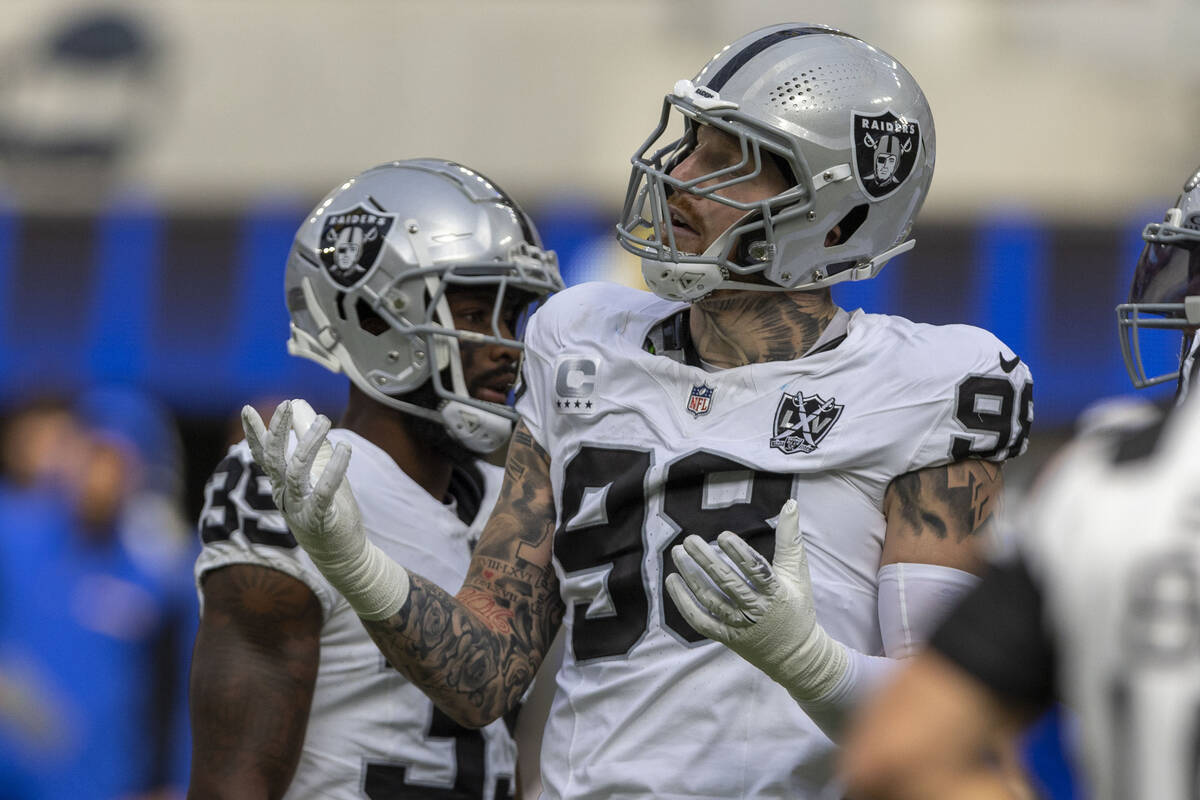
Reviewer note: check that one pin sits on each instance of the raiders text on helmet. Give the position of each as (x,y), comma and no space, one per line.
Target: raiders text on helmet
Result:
(1165,293)
(367,278)
(846,120)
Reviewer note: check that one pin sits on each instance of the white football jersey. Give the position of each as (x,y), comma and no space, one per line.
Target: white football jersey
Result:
(371,733)
(1112,543)
(646,449)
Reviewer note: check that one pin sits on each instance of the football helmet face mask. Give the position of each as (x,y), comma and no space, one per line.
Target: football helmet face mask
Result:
(367,281)
(1165,292)
(844,121)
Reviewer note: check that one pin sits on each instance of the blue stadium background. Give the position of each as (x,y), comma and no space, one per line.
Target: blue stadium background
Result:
(190,307)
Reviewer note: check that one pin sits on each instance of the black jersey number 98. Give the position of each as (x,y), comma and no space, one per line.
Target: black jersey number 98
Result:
(612,484)
(985,404)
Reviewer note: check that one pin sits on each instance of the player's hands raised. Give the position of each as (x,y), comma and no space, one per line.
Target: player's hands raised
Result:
(324,517)
(762,611)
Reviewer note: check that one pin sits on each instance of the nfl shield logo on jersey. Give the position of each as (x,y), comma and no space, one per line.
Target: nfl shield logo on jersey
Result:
(802,421)
(351,242)
(700,400)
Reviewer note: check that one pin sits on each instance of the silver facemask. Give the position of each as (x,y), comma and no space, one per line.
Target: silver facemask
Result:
(846,124)
(1165,291)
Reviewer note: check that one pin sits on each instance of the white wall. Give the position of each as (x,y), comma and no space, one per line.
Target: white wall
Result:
(1083,110)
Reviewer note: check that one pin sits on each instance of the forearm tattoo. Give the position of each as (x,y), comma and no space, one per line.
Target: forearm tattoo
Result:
(476,652)
(954,502)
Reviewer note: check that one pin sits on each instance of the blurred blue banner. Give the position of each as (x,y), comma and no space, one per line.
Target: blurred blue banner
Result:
(192,309)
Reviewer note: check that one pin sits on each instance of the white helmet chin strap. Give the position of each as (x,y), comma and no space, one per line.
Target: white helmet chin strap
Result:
(859,272)
(477,429)
(689,282)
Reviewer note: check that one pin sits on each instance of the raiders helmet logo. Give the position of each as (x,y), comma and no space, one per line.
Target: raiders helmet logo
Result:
(885,151)
(351,242)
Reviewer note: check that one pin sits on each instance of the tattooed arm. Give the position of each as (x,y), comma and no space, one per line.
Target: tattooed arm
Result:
(765,612)
(936,515)
(932,547)
(253,672)
(475,653)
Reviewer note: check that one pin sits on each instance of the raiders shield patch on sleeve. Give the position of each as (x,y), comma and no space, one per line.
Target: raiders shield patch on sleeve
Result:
(885,151)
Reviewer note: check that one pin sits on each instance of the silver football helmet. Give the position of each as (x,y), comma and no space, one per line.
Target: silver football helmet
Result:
(1165,293)
(842,119)
(367,278)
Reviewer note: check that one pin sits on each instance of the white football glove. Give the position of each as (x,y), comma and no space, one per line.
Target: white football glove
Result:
(763,612)
(324,518)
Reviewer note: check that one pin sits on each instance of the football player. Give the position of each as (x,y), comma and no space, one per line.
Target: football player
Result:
(411,279)
(1165,294)
(1098,607)
(738,385)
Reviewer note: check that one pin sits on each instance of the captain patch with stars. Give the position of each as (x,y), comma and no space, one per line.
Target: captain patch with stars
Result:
(352,241)
(885,151)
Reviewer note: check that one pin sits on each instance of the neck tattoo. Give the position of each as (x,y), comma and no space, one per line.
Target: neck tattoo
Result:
(730,329)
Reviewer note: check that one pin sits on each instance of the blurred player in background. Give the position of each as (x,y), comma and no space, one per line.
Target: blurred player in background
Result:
(410,278)
(40,438)
(797,158)
(96,610)
(1165,294)
(1099,606)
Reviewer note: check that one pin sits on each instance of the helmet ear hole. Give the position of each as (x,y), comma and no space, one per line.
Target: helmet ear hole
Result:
(341,306)
(785,169)
(848,224)
(368,320)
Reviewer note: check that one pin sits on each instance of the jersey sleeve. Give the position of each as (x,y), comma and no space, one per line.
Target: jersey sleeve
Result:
(537,368)
(239,524)
(982,396)
(997,634)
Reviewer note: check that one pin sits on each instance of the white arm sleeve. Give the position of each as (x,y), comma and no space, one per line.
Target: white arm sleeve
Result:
(913,600)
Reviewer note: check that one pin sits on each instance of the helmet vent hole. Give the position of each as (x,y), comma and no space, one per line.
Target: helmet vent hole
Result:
(820,88)
(368,320)
(850,223)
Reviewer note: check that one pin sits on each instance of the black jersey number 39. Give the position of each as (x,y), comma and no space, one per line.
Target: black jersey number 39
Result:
(611,483)
(238,498)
